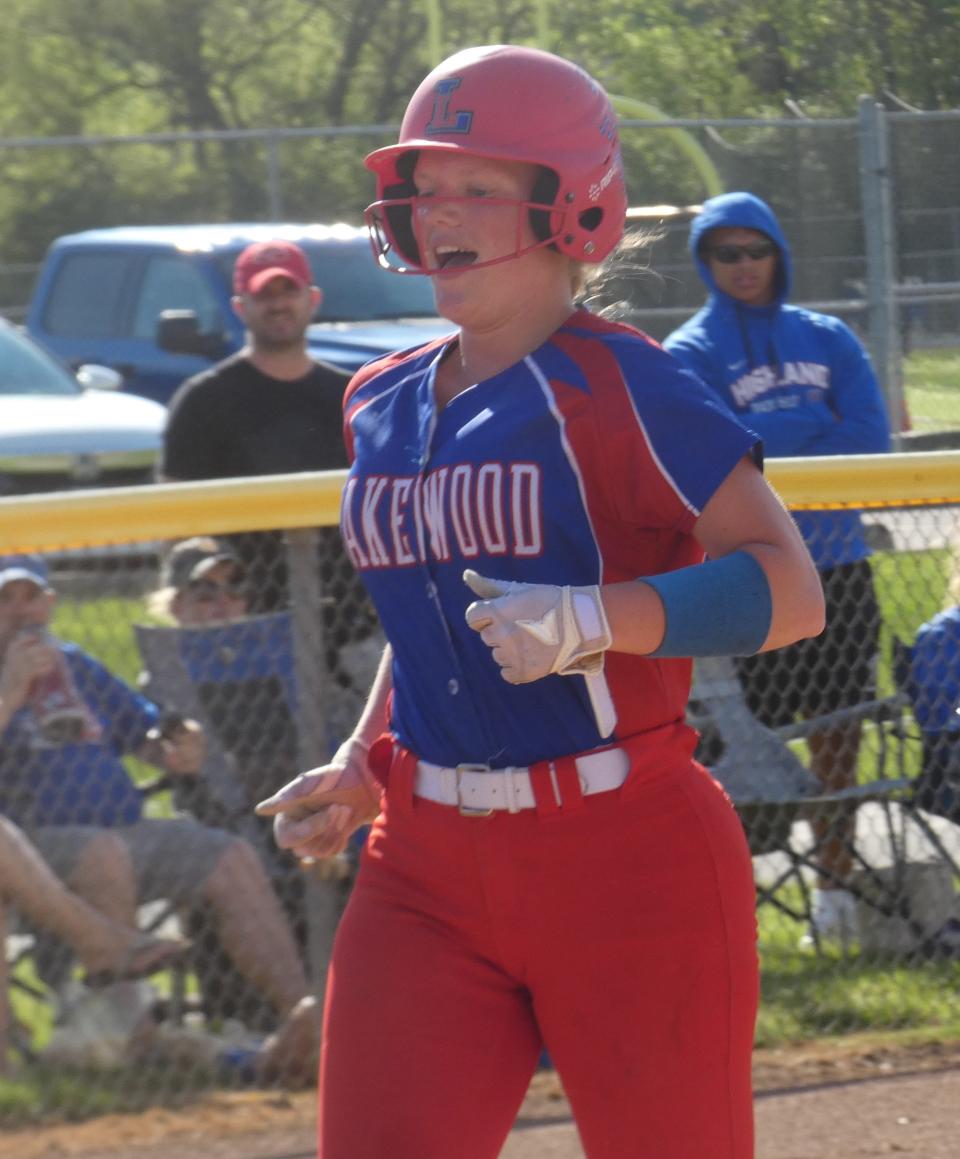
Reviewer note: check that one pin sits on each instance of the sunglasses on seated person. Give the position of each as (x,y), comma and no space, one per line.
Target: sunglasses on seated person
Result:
(206,591)
(728,255)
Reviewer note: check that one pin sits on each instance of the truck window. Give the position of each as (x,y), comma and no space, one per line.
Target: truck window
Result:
(356,289)
(86,300)
(174,283)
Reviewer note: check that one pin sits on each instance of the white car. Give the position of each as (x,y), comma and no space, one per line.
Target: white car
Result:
(59,431)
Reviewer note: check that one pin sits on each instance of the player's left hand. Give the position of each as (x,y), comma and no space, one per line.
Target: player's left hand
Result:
(535,629)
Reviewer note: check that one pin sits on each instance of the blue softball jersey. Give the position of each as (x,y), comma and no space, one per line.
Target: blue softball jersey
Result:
(587,462)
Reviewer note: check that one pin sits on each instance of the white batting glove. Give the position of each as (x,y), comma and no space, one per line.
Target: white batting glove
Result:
(535,629)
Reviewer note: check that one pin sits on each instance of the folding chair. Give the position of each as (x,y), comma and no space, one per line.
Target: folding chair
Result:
(773,791)
(195,672)
(765,781)
(106,1012)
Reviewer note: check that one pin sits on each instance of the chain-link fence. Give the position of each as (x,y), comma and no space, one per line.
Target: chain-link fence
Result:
(869,204)
(185,680)
(843,767)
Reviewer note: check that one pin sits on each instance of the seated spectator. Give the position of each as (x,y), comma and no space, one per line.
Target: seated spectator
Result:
(932,680)
(103,876)
(234,672)
(928,671)
(240,669)
(65,723)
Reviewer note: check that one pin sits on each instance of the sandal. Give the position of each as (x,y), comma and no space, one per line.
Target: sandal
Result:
(147,955)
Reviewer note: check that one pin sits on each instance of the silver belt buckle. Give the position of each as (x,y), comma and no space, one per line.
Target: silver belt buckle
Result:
(466,810)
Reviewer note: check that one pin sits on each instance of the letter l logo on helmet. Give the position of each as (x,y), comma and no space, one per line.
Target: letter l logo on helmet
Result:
(440,119)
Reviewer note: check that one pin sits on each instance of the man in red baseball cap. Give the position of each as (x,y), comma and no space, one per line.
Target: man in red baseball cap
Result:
(271,408)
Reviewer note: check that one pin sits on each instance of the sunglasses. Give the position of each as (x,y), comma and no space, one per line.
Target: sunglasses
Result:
(207,591)
(728,255)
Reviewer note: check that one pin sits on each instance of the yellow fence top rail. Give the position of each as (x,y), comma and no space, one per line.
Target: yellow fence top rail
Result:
(172,510)
(110,515)
(909,479)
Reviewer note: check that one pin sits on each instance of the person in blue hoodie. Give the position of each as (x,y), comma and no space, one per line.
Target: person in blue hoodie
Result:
(802,381)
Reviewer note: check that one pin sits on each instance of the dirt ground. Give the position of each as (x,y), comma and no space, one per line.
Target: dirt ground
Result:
(859,1101)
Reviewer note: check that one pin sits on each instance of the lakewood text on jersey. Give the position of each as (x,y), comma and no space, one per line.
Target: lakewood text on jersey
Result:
(487,509)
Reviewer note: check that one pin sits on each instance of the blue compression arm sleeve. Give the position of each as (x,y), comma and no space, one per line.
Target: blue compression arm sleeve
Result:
(719,608)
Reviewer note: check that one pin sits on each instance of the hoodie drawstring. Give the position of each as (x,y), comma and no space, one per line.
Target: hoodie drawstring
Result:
(773,358)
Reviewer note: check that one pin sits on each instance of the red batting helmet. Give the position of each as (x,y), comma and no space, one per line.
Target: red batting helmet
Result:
(510,104)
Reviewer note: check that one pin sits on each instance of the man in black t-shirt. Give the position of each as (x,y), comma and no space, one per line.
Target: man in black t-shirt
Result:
(268,410)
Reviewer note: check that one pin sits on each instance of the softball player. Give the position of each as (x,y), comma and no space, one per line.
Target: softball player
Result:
(529,504)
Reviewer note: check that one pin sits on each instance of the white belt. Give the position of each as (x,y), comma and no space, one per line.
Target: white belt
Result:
(477,790)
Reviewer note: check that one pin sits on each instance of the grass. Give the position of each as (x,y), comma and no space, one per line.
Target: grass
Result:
(911,588)
(47,1094)
(932,386)
(104,628)
(807,996)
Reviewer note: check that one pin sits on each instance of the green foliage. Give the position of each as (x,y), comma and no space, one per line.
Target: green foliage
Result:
(72,67)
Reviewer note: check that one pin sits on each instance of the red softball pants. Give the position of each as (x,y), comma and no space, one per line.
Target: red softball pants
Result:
(618,931)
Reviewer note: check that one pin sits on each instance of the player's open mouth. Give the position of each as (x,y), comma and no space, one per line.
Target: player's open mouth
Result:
(450,257)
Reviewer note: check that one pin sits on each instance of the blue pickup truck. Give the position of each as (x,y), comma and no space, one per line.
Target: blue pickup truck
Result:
(153,302)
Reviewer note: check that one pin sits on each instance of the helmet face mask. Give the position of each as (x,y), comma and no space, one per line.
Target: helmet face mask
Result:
(506,103)
(394,228)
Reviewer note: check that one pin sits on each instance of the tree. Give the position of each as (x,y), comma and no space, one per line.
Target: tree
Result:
(145,66)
